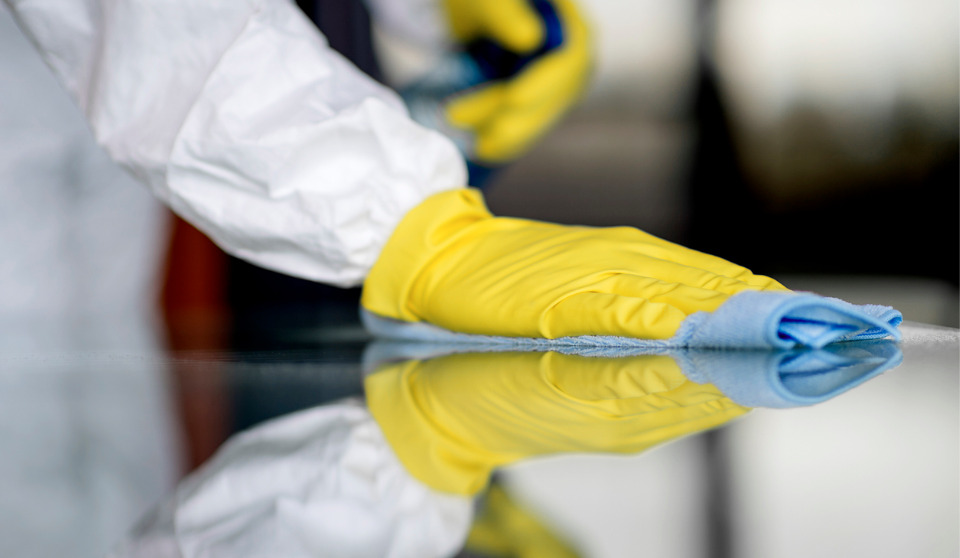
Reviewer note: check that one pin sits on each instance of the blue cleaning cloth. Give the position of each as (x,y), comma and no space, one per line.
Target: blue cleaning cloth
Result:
(748,320)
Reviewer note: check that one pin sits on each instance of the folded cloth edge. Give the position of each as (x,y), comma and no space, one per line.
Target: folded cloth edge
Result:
(754,319)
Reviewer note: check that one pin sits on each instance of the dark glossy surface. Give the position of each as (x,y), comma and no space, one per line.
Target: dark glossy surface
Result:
(362,449)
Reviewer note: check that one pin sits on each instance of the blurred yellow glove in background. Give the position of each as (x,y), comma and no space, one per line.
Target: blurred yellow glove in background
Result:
(453,419)
(503,527)
(452,264)
(537,56)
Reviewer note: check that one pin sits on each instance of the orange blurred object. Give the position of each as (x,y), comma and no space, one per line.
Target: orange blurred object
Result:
(196,318)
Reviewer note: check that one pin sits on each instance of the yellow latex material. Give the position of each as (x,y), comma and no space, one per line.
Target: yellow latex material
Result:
(451,263)
(506,117)
(452,420)
(503,528)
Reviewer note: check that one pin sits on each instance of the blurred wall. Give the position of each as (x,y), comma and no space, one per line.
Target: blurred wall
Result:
(620,157)
(833,95)
(814,137)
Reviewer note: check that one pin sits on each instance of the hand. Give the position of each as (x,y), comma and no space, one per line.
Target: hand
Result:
(537,55)
(451,263)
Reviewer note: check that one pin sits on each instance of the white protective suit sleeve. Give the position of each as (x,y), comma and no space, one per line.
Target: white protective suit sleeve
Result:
(241,118)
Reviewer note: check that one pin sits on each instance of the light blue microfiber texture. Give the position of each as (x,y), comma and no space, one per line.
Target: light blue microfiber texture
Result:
(748,320)
(792,378)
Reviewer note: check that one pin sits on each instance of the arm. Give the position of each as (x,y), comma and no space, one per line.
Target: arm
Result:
(240,117)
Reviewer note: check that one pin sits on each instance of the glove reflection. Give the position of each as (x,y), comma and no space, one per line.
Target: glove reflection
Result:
(504,527)
(453,419)
(334,480)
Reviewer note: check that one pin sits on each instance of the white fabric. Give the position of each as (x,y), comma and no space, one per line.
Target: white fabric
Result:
(320,482)
(239,116)
(80,239)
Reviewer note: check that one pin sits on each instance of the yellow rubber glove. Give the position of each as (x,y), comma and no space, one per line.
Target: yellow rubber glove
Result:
(452,264)
(507,116)
(504,528)
(452,420)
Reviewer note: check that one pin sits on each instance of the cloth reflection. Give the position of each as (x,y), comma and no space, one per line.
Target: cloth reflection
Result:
(781,379)
(399,475)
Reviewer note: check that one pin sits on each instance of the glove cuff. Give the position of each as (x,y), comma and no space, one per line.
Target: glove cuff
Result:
(420,236)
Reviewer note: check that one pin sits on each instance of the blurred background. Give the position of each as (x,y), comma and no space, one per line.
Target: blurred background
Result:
(816,142)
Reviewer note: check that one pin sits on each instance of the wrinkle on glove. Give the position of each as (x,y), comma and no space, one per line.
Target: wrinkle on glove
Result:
(454,419)
(452,272)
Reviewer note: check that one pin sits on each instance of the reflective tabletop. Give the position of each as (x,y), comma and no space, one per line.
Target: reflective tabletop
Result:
(324,442)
